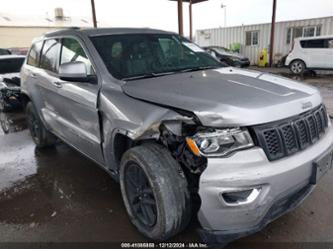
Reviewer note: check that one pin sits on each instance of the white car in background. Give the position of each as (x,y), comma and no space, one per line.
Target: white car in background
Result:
(311,53)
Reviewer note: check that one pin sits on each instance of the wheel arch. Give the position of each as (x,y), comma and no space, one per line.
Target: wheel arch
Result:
(298,59)
(25,99)
(115,145)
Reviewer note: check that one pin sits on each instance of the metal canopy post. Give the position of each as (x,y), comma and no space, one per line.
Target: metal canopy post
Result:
(180,17)
(272,35)
(191,20)
(93,13)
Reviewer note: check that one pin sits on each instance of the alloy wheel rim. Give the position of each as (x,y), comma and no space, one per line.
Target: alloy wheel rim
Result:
(297,67)
(140,195)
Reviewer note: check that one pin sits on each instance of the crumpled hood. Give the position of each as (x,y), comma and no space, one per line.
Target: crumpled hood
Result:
(228,96)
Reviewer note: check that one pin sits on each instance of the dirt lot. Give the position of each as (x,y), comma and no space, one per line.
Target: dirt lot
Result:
(58,195)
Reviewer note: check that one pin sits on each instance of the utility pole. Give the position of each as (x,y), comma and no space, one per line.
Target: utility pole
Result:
(93,13)
(272,35)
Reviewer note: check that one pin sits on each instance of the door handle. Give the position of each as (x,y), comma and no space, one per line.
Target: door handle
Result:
(33,75)
(57,84)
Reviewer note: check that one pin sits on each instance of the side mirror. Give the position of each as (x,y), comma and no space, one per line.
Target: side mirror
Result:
(74,71)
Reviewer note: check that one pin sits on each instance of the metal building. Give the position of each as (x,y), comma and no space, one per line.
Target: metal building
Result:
(254,38)
(20,30)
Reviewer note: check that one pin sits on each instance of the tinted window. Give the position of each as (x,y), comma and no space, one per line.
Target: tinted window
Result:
(73,51)
(145,54)
(34,55)
(320,43)
(12,65)
(50,55)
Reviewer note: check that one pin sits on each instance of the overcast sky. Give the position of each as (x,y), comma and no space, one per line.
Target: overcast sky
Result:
(162,14)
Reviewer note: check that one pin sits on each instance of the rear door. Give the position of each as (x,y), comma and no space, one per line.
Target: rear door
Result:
(45,77)
(316,52)
(76,104)
(29,75)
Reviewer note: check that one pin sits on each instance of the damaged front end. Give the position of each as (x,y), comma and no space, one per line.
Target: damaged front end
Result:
(193,146)
(235,189)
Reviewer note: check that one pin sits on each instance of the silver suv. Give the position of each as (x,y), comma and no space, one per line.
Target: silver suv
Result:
(182,134)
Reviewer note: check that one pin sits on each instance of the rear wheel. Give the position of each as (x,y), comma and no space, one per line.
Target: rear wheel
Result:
(297,67)
(154,191)
(39,134)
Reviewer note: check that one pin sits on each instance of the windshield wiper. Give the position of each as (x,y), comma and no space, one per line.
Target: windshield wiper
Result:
(198,68)
(146,76)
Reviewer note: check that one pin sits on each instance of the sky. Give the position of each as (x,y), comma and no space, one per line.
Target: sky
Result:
(162,14)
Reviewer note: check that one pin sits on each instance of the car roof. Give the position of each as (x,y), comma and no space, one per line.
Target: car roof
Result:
(104,31)
(314,37)
(11,56)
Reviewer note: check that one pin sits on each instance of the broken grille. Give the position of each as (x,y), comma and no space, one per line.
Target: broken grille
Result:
(286,137)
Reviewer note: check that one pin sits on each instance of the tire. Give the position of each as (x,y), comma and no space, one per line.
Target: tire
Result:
(5,123)
(152,182)
(3,106)
(39,133)
(297,67)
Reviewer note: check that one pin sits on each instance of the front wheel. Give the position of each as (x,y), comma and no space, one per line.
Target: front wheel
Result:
(3,106)
(5,123)
(297,67)
(154,191)
(41,136)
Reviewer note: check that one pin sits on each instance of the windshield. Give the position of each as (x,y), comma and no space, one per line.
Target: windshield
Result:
(11,65)
(135,55)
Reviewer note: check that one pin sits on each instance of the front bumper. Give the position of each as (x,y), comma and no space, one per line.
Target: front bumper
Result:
(280,186)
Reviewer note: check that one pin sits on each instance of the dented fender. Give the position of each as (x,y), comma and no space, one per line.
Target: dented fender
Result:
(133,118)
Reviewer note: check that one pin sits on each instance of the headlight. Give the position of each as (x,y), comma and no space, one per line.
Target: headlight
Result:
(219,142)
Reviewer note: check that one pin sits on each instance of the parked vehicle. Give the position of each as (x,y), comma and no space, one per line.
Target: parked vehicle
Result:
(12,122)
(10,66)
(4,51)
(19,50)
(228,57)
(183,135)
(311,53)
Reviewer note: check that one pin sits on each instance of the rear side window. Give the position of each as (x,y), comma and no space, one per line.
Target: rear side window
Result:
(50,55)
(317,43)
(72,51)
(12,65)
(34,55)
